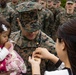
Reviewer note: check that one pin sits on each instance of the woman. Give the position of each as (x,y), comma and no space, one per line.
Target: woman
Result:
(66,50)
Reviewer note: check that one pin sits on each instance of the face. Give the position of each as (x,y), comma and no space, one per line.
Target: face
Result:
(55,5)
(29,35)
(14,1)
(58,3)
(4,36)
(59,48)
(69,6)
(43,3)
(49,3)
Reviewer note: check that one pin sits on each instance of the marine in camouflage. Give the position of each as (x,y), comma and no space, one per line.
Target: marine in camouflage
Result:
(26,47)
(8,14)
(23,45)
(46,19)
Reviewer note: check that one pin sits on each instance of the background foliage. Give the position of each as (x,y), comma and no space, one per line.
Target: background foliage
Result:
(63,2)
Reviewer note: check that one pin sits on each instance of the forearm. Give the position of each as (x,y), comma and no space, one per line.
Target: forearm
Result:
(58,63)
(53,58)
(36,70)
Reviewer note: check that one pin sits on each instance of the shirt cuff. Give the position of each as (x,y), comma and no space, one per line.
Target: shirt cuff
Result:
(58,63)
(4,52)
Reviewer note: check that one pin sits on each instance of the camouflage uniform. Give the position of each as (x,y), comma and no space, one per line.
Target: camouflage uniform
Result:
(46,19)
(63,17)
(60,19)
(13,6)
(8,14)
(59,9)
(53,11)
(24,46)
(15,24)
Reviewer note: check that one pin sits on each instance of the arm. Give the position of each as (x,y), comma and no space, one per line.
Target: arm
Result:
(35,64)
(35,60)
(48,43)
(4,51)
(45,54)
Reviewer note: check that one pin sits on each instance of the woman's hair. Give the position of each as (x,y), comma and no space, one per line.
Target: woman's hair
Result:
(4,25)
(67,32)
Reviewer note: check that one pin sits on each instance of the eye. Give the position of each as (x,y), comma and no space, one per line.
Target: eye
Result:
(4,36)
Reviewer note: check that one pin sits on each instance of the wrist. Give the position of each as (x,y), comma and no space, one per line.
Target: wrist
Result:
(35,65)
(35,69)
(53,58)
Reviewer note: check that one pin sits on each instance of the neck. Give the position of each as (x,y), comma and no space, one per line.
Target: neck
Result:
(14,3)
(70,11)
(67,63)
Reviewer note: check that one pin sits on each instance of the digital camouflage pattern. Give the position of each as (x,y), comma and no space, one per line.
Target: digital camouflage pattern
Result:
(12,5)
(60,19)
(25,48)
(28,15)
(15,24)
(59,10)
(53,11)
(8,14)
(63,17)
(46,19)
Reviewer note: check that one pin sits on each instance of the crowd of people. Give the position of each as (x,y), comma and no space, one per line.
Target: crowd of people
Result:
(37,37)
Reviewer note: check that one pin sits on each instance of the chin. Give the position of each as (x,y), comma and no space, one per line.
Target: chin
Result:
(31,38)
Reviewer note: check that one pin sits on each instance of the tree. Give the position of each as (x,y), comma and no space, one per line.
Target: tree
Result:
(63,2)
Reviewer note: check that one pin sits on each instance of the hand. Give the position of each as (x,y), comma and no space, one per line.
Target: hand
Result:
(35,64)
(19,23)
(7,45)
(34,61)
(44,53)
(41,53)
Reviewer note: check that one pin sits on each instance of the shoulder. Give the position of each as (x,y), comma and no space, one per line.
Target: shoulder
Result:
(61,14)
(46,38)
(10,9)
(15,35)
(9,3)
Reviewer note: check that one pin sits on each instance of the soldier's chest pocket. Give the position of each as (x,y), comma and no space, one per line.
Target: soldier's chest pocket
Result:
(28,51)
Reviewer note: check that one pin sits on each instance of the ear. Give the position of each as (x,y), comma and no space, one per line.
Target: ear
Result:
(63,45)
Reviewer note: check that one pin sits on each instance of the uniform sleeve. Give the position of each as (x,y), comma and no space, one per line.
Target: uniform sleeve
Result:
(60,65)
(3,53)
(49,43)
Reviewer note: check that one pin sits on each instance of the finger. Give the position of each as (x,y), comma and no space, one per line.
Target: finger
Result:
(37,51)
(18,20)
(38,56)
(29,58)
(19,23)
